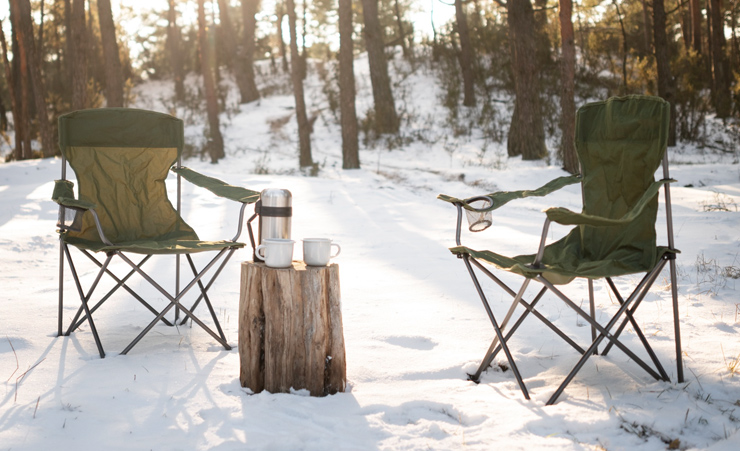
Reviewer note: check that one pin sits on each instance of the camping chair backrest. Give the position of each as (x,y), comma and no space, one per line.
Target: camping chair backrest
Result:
(121,158)
(621,143)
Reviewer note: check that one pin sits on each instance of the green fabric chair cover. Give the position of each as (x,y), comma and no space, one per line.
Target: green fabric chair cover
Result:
(620,143)
(122,175)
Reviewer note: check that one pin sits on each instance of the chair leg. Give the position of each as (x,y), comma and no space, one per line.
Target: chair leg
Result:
(676,326)
(488,358)
(177,286)
(592,310)
(204,290)
(60,313)
(84,298)
(496,328)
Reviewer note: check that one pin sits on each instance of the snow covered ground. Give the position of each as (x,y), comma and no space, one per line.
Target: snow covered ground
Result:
(413,323)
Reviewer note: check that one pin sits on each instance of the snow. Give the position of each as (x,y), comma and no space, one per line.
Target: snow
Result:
(413,324)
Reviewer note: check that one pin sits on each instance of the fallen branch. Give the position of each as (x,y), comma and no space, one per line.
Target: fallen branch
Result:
(721,149)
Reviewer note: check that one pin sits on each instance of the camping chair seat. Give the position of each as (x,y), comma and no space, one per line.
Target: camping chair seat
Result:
(621,143)
(121,158)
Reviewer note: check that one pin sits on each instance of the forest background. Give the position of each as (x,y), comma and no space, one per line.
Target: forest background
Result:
(543,57)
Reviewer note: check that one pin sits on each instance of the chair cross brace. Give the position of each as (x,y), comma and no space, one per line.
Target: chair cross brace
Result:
(175,301)
(120,284)
(500,341)
(80,318)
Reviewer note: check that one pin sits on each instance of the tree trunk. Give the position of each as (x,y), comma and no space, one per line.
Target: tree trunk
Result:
(303,61)
(386,120)
(79,55)
(14,104)
(248,87)
(227,36)
(69,50)
(40,49)
(216,141)
(647,26)
(721,75)
(666,84)
(28,50)
(526,133)
(695,8)
(20,75)
(625,88)
(290,329)
(113,71)
(350,145)
(280,13)
(567,93)
(174,39)
(401,32)
(305,159)
(466,55)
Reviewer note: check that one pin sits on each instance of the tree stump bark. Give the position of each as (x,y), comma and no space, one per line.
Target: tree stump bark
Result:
(290,329)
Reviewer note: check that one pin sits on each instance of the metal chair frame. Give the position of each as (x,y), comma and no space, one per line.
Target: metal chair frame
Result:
(84,312)
(625,313)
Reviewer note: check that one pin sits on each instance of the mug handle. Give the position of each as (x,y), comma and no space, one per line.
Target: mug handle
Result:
(257,252)
(339,250)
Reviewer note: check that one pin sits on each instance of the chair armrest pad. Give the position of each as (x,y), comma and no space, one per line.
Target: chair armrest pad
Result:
(217,187)
(567,217)
(64,195)
(501,198)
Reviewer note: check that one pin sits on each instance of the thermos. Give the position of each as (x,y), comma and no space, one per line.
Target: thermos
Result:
(275,212)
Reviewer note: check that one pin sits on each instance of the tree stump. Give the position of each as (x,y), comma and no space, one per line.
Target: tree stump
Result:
(290,329)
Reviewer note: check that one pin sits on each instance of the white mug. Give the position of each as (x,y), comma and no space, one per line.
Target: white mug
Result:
(277,252)
(317,251)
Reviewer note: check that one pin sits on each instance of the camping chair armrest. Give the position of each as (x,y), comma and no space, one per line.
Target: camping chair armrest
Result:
(567,217)
(64,195)
(501,198)
(217,187)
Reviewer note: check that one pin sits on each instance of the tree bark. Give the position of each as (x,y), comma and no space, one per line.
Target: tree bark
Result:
(625,88)
(14,103)
(720,69)
(40,41)
(216,141)
(174,39)
(666,84)
(28,50)
(401,32)
(227,36)
(290,329)
(466,55)
(280,13)
(305,159)
(79,55)
(386,119)
(695,9)
(113,71)
(526,133)
(567,93)
(647,26)
(247,86)
(350,144)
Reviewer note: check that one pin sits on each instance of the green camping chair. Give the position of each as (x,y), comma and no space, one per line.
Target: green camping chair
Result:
(620,144)
(121,158)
